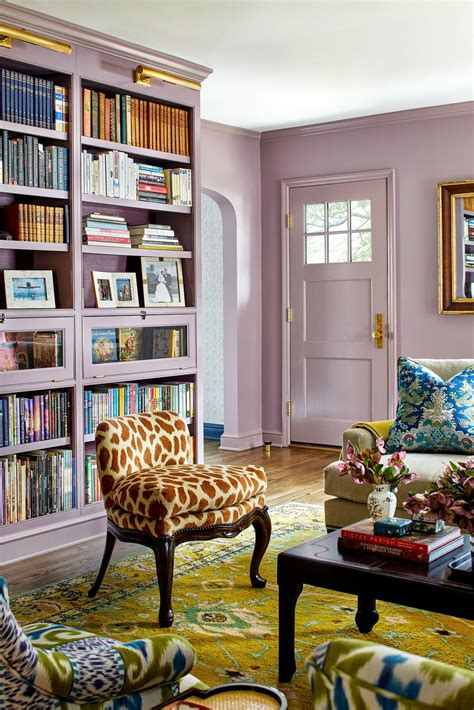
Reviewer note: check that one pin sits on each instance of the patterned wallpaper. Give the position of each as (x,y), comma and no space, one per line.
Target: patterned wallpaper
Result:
(212,311)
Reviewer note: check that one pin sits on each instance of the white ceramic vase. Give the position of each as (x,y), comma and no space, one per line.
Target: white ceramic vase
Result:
(382,502)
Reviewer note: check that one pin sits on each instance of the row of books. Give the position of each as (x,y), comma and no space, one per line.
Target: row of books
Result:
(92,492)
(37,483)
(30,350)
(415,547)
(469,227)
(127,344)
(133,398)
(115,174)
(25,161)
(105,229)
(124,119)
(38,223)
(33,101)
(29,418)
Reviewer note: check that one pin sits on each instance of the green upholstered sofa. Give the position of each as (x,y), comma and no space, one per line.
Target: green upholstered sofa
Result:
(348,501)
(346,674)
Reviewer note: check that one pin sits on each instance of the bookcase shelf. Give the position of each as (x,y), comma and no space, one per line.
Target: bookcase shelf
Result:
(34,192)
(33,131)
(126,251)
(137,151)
(110,65)
(134,204)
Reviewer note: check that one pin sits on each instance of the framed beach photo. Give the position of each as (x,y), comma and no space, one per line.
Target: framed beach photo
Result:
(104,289)
(162,282)
(125,290)
(29,289)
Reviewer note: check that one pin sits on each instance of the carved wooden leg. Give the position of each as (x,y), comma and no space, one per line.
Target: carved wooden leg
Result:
(263,529)
(164,557)
(366,616)
(109,548)
(288,593)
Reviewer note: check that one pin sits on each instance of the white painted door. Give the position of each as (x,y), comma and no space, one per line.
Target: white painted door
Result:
(338,285)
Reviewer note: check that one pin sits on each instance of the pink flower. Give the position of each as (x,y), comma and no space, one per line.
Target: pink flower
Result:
(397,459)
(416,503)
(343,467)
(469,465)
(380,444)
(408,478)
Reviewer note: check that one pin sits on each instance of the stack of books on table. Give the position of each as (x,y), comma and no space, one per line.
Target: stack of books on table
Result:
(416,547)
(154,236)
(152,183)
(105,230)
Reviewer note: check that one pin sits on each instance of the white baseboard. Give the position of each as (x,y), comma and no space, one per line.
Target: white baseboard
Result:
(241,443)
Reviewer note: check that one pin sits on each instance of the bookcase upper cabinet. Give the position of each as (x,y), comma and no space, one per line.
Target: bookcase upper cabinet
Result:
(107,64)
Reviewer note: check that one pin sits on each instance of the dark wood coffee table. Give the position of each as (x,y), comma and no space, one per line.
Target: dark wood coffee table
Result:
(370,577)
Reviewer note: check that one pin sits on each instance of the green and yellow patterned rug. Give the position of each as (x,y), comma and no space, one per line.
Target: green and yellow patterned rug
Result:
(233,627)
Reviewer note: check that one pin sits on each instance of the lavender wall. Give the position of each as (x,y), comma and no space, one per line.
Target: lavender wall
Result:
(424,147)
(231,175)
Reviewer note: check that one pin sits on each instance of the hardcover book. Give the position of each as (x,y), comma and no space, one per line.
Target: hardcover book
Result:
(104,345)
(363,531)
(130,344)
(46,349)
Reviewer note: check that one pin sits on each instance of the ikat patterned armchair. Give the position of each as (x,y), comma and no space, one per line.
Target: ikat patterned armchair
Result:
(155,496)
(360,675)
(54,667)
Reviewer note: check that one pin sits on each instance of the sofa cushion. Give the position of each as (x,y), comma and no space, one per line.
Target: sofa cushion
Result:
(426,466)
(433,414)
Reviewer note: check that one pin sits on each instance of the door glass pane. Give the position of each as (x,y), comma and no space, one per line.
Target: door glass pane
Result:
(315,249)
(31,350)
(337,216)
(127,344)
(361,244)
(338,248)
(314,218)
(360,214)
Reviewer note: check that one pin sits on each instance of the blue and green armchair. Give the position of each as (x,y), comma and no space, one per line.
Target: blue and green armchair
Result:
(50,666)
(347,674)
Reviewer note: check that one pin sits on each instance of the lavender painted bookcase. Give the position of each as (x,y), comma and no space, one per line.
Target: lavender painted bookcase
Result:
(104,63)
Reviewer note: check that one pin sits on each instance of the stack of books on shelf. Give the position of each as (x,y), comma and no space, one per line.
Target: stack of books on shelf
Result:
(33,101)
(37,483)
(27,162)
(415,547)
(124,119)
(37,417)
(179,184)
(152,183)
(92,490)
(105,230)
(133,398)
(38,223)
(154,236)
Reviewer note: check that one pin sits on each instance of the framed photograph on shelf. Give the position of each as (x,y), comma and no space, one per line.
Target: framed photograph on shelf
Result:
(125,290)
(29,289)
(162,282)
(103,289)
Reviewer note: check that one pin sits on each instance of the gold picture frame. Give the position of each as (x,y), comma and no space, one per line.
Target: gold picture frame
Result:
(163,285)
(456,247)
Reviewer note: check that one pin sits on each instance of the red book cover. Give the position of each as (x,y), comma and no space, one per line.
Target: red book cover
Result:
(363,531)
(345,543)
(147,187)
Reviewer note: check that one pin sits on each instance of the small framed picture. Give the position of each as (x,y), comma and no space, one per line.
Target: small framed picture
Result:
(104,289)
(125,290)
(162,282)
(29,289)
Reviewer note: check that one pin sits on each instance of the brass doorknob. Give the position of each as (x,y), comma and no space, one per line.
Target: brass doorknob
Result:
(377,335)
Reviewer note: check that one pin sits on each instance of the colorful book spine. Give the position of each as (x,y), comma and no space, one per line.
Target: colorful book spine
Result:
(408,554)
(28,418)
(401,542)
(33,101)
(26,161)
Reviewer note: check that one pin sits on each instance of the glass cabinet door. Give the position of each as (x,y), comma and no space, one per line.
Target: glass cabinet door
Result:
(42,348)
(136,345)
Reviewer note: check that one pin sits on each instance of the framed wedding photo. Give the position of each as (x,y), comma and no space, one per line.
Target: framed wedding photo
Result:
(162,282)
(103,289)
(125,290)
(29,289)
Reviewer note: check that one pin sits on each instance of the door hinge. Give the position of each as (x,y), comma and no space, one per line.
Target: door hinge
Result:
(289,221)
(289,315)
(290,409)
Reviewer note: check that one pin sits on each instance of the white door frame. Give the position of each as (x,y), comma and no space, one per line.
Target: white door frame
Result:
(389,176)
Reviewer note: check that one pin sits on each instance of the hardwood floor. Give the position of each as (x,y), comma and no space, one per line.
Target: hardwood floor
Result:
(294,474)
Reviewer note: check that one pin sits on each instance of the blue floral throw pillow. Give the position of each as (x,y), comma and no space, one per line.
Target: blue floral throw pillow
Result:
(433,415)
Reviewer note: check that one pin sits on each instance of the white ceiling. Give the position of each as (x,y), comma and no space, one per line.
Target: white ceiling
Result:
(280,63)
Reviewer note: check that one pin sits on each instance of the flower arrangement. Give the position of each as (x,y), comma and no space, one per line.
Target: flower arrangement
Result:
(366,467)
(450,499)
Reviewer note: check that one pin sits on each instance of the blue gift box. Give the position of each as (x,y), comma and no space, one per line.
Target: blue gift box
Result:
(393,527)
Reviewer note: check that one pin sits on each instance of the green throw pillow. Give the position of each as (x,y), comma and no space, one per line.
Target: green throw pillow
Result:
(433,415)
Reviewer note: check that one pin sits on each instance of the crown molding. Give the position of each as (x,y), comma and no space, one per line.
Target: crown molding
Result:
(230,130)
(351,124)
(85,37)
